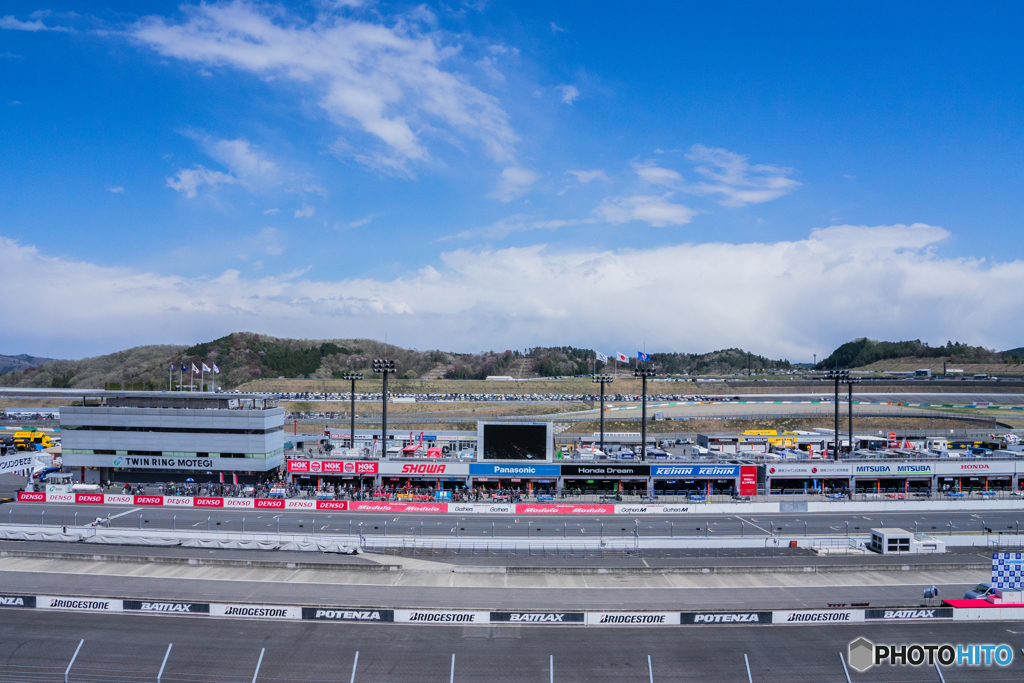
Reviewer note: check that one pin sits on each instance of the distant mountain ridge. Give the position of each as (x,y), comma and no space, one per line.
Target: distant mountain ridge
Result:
(245,356)
(862,352)
(20,362)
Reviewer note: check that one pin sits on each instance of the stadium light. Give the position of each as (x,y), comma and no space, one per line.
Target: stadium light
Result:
(837,376)
(384,367)
(643,374)
(849,382)
(602,380)
(352,377)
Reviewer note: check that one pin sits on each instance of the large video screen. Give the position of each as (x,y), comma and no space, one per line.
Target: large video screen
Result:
(515,442)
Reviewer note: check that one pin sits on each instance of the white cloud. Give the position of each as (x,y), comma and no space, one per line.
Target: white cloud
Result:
(517,223)
(188,180)
(586,176)
(14,24)
(514,182)
(569,93)
(556,29)
(656,210)
(306,211)
(386,81)
(365,220)
(268,241)
(656,175)
(245,161)
(116,189)
(271,212)
(884,282)
(736,180)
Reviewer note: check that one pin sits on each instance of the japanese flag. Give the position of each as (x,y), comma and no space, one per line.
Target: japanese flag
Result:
(623,358)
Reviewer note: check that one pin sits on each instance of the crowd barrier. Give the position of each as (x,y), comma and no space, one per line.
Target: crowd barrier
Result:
(508,618)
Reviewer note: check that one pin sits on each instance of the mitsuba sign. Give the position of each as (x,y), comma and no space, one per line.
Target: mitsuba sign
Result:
(894,470)
(538,617)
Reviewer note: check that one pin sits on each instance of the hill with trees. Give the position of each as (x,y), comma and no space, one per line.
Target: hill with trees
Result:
(20,362)
(862,352)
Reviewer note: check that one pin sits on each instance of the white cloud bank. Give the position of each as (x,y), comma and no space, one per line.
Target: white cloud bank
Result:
(783,299)
(387,81)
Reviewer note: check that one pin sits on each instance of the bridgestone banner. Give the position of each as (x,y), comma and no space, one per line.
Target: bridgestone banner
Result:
(538,617)
(256,611)
(824,616)
(418,616)
(716,618)
(632,618)
(166,607)
(347,614)
(79,604)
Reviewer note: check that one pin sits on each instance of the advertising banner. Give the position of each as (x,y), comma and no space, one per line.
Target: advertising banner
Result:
(908,614)
(28,497)
(696,471)
(347,614)
(488,470)
(79,604)
(657,509)
(89,498)
(256,611)
(538,617)
(15,463)
(337,505)
(118,499)
(559,509)
(299,503)
(632,618)
(425,469)
(419,616)
(238,503)
(359,506)
(166,607)
(826,616)
(748,480)
(17,601)
(268,503)
(714,618)
(481,508)
(642,471)
(894,470)
(147,500)
(332,467)
(178,501)
(207,502)
(60,497)
(974,468)
(808,471)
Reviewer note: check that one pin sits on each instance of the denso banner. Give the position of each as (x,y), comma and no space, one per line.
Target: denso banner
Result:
(809,471)
(696,471)
(332,467)
(332,505)
(268,503)
(147,500)
(79,604)
(31,497)
(553,618)
(559,509)
(606,470)
(481,508)
(256,611)
(480,469)
(118,499)
(893,470)
(89,498)
(347,614)
(418,616)
(632,618)
(712,618)
(178,501)
(207,502)
(238,503)
(823,616)
(166,607)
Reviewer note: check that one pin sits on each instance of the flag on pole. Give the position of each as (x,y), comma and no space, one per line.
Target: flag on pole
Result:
(601,357)
(194,368)
(205,369)
(640,355)
(216,370)
(234,477)
(184,367)
(623,358)
(172,367)
(222,477)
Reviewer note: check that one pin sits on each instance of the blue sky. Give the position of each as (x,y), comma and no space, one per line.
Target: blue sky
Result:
(498,175)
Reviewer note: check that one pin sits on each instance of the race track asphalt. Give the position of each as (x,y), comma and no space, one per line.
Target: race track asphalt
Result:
(37,646)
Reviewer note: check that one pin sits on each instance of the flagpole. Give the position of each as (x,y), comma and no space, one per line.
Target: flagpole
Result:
(170,377)
(181,379)
(202,376)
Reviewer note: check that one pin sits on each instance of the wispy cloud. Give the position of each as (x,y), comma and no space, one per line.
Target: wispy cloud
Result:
(385,81)
(514,182)
(569,93)
(189,180)
(517,223)
(653,209)
(556,29)
(306,211)
(652,173)
(585,177)
(117,189)
(271,212)
(739,182)
(12,24)
(365,220)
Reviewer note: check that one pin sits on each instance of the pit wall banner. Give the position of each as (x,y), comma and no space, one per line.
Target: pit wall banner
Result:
(559,509)
(332,467)
(821,616)
(369,506)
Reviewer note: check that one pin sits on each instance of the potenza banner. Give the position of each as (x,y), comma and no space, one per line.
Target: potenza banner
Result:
(17,601)
(714,618)
(418,616)
(347,614)
(824,616)
(79,604)
(256,611)
(538,617)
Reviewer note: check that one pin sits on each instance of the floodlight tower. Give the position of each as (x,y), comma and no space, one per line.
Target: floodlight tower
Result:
(602,380)
(850,381)
(837,376)
(352,377)
(384,367)
(643,374)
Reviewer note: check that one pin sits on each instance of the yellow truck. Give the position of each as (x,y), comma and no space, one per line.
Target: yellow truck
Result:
(28,440)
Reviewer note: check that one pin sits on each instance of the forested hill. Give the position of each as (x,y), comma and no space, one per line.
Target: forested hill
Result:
(861,352)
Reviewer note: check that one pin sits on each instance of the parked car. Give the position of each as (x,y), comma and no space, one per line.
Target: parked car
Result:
(982,590)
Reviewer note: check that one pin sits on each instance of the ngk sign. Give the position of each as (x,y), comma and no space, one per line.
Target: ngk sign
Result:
(332,467)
